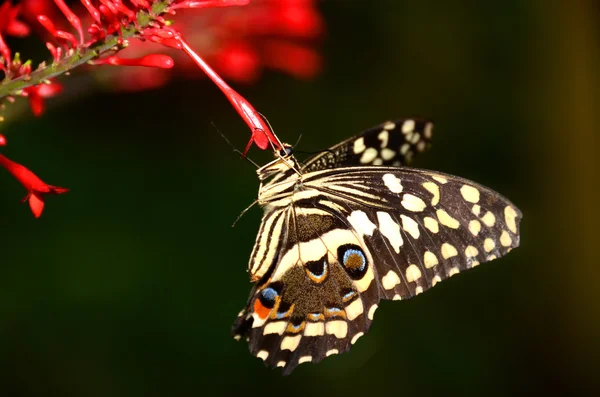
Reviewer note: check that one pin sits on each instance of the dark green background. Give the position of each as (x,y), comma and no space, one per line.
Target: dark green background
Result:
(128,284)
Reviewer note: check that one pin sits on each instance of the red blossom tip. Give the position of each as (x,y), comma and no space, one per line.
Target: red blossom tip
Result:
(2,140)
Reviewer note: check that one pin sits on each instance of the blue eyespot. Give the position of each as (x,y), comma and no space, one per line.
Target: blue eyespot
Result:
(351,255)
(269,294)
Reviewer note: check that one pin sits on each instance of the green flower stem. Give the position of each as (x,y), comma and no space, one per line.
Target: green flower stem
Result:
(79,57)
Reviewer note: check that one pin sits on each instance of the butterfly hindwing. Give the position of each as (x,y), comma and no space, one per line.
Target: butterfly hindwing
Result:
(392,143)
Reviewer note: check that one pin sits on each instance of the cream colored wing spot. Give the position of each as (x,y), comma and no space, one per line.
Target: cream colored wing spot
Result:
(363,284)
(475,263)
(281,364)
(384,137)
(404,149)
(505,239)
(509,216)
(359,146)
(474,227)
(355,337)
(392,183)
(354,309)
(446,220)
(276,327)
(290,342)
(470,193)
(471,252)
(304,359)
(418,290)
(435,280)
(410,226)
(361,223)
(371,313)
(387,154)
(390,229)
(492,257)
(453,271)
(263,354)
(331,352)
(338,328)
(489,219)
(413,273)
(439,179)
(415,138)
(413,203)
(433,189)
(428,130)
(429,259)
(397,297)
(431,224)
(408,126)
(378,161)
(237,337)
(489,245)
(314,329)
(390,280)
(476,210)
(389,126)
(421,146)
(448,251)
(369,155)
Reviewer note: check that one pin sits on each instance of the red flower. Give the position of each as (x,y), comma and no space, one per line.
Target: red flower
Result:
(36,188)
(9,23)
(37,93)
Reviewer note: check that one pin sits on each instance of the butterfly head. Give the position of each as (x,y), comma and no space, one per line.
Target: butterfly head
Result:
(284,161)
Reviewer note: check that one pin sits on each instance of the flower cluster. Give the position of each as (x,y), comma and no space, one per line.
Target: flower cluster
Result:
(262,33)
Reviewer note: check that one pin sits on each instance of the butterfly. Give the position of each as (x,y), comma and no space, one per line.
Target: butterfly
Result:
(354,225)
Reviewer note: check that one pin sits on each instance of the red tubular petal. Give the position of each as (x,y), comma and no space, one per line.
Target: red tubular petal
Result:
(209,3)
(17,29)
(49,90)
(2,140)
(36,203)
(5,51)
(28,179)
(72,18)
(36,102)
(47,23)
(296,60)
(152,60)
(93,11)
(261,134)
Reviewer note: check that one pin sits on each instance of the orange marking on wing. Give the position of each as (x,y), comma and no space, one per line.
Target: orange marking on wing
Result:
(261,310)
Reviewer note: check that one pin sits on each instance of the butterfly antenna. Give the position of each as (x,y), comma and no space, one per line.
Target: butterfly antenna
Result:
(234,148)
(243,212)
(298,141)
(271,128)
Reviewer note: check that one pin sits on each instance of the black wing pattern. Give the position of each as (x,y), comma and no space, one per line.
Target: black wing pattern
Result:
(392,143)
(353,236)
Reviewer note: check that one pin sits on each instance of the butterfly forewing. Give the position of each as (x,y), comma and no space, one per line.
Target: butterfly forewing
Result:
(392,143)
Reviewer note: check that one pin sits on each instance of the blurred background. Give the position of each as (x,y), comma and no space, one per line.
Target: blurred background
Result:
(129,284)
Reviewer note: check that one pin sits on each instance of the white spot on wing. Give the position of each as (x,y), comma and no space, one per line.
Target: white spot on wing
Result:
(429,259)
(263,354)
(331,352)
(354,309)
(474,227)
(390,229)
(413,203)
(489,219)
(505,239)
(431,224)
(387,154)
(304,359)
(355,337)
(290,342)
(372,312)
(435,280)
(314,329)
(408,126)
(427,131)
(384,137)
(361,223)
(509,216)
(392,183)
(446,220)
(471,251)
(390,280)
(453,271)
(389,126)
(338,328)
(359,145)
(413,273)
(276,327)
(433,189)
(448,251)
(369,155)
(469,193)
(440,179)
(378,161)
(489,245)
(410,226)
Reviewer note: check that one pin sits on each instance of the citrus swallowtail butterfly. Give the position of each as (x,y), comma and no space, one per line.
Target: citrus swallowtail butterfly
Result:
(354,225)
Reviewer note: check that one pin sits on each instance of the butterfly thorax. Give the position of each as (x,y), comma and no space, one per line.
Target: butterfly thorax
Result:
(284,173)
